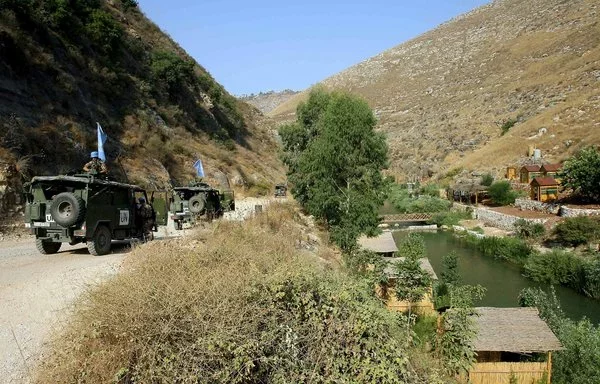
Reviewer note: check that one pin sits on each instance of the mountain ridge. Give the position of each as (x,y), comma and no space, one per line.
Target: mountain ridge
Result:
(443,97)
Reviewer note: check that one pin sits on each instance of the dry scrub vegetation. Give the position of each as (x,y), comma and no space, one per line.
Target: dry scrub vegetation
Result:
(237,303)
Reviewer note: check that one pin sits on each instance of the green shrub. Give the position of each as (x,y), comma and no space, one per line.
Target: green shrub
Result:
(449,218)
(529,230)
(405,203)
(501,248)
(432,190)
(104,31)
(556,267)
(128,4)
(576,231)
(502,193)
(507,125)
(487,179)
(170,68)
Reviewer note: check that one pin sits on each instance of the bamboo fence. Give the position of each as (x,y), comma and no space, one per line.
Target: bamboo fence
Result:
(501,373)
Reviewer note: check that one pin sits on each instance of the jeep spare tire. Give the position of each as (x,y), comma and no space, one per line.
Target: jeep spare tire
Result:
(197,204)
(67,209)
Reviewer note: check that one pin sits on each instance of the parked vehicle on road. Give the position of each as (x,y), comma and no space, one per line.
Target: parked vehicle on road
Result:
(83,209)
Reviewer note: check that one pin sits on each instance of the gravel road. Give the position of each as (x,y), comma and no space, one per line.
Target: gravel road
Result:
(37,291)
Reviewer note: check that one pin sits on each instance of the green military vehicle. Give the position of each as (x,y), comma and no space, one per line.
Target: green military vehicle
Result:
(82,209)
(187,204)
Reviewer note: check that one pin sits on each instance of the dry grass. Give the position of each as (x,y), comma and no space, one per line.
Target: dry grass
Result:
(238,303)
(442,97)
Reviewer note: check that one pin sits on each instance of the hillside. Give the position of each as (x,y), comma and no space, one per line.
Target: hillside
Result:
(442,98)
(268,101)
(65,65)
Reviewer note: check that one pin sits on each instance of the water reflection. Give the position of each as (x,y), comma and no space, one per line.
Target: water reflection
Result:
(503,281)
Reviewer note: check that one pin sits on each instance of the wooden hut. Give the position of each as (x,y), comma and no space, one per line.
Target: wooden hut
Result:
(470,193)
(383,244)
(550,170)
(512,342)
(511,173)
(387,293)
(529,172)
(544,189)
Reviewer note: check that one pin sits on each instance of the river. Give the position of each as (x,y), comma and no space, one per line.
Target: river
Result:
(503,280)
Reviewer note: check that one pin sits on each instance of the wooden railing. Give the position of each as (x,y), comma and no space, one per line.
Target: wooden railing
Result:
(406,217)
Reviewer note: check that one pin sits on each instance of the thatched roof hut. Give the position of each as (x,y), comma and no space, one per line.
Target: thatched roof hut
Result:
(382,244)
(518,330)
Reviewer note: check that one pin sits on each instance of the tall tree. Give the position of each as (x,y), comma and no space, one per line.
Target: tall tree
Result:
(335,160)
(581,173)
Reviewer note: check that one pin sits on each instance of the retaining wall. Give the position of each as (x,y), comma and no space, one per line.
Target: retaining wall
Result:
(574,212)
(533,205)
(501,220)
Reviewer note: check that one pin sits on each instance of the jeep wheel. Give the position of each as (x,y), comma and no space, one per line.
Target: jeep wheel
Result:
(47,247)
(197,204)
(67,209)
(100,244)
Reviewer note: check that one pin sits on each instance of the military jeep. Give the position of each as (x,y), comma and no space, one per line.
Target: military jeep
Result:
(81,209)
(199,199)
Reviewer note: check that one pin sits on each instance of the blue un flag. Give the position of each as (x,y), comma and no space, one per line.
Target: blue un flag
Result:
(199,168)
(101,140)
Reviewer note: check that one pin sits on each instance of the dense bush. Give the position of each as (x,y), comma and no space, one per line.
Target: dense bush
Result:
(487,179)
(170,68)
(449,218)
(502,248)
(104,30)
(556,267)
(502,193)
(578,362)
(507,125)
(528,230)
(428,202)
(582,173)
(243,307)
(576,231)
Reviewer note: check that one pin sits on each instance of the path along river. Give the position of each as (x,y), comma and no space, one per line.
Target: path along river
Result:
(503,280)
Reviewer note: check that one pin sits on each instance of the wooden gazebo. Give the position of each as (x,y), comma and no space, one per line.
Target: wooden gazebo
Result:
(512,342)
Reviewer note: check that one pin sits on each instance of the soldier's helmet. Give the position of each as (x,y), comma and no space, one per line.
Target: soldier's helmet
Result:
(142,200)
(94,154)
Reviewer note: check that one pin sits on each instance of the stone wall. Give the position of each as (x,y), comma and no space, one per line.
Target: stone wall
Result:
(501,220)
(574,212)
(533,205)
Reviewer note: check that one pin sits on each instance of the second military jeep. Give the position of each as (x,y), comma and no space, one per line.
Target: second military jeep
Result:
(82,209)
(199,199)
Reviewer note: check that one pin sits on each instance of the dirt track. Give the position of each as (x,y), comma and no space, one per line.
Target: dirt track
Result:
(36,292)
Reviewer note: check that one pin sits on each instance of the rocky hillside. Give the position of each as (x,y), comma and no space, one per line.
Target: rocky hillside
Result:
(268,101)
(529,68)
(65,65)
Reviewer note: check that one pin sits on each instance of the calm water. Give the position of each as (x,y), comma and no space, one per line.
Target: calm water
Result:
(503,281)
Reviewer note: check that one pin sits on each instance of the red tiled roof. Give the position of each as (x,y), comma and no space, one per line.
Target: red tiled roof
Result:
(551,167)
(531,168)
(544,181)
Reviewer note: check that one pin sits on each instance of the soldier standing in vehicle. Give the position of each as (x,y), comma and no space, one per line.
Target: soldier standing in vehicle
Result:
(95,166)
(146,213)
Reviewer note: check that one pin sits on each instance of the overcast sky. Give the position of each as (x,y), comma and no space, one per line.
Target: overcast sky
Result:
(253,46)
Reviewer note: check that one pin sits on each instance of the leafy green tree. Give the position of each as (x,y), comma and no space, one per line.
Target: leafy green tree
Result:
(450,273)
(455,343)
(502,193)
(334,160)
(412,281)
(413,246)
(581,173)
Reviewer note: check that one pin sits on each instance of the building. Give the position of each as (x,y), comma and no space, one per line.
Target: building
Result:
(386,291)
(384,244)
(550,170)
(529,172)
(512,342)
(544,189)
